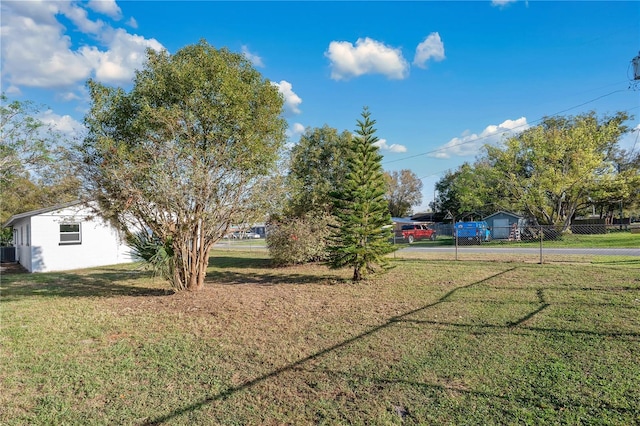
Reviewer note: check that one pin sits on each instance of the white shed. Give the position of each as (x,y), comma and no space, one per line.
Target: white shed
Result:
(64,237)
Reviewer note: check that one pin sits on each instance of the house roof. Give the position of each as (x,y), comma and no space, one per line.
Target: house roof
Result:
(517,216)
(31,213)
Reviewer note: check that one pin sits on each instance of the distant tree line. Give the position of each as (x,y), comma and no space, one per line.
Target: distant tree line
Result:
(550,173)
(36,164)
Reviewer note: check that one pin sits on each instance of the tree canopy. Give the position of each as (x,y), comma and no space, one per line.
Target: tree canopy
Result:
(362,238)
(317,166)
(186,153)
(548,173)
(35,166)
(404,190)
(467,192)
(300,231)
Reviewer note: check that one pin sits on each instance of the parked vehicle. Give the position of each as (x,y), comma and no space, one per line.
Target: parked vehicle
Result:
(473,231)
(417,232)
(241,235)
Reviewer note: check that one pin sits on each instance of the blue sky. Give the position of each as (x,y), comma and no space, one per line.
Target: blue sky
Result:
(440,78)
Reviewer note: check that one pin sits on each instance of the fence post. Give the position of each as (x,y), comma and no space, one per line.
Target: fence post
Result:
(455,236)
(541,237)
(395,249)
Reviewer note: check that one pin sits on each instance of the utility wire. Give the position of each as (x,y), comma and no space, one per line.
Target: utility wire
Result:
(505,131)
(637,132)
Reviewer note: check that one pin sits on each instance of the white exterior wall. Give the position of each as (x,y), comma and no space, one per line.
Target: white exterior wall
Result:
(100,244)
(22,243)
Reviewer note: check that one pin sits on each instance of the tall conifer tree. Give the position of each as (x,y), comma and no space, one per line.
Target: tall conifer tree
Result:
(362,239)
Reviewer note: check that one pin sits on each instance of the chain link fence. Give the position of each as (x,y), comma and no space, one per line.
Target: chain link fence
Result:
(528,243)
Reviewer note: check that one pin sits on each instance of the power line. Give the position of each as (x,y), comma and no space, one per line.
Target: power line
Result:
(507,130)
(637,131)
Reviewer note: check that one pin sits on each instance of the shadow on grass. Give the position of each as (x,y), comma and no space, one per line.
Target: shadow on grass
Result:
(517,325)
(224,271)
(109,282)
(521,400)
(238,278)
(635,262)
(239,262)
(299,365)
(102,283)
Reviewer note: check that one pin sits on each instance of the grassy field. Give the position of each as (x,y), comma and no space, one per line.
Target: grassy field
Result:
(429,342)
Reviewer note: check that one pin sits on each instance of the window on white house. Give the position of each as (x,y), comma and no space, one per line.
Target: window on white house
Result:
(70,233)
(28,236)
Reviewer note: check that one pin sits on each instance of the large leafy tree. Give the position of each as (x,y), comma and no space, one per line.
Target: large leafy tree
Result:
(362,238)
(620,189)
(35,166)
(558,167)
(26,142)
(186,153)
(317,166)
(468,192)
(404,190)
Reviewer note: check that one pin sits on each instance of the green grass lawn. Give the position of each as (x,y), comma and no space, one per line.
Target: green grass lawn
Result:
(429,342)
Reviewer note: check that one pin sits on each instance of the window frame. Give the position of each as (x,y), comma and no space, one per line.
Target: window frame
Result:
(64,242)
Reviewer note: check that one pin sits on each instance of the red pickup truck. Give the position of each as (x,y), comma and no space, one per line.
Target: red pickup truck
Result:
(413,233)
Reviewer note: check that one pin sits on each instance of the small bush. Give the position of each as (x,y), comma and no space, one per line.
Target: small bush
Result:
(156,254)
(299,240)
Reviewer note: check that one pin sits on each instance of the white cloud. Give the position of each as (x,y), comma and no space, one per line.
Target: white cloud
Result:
(368,56)
(69,96)
(126,53)
(63,123)
(631,140)
(291,100)
(431,48)
(255,59)
(13,90)
(383,146)
(295,131)
(469,144)
(37,51)
(106,7)
(132,22)
(501,3)
(80,19)
(298,128)
(42,13)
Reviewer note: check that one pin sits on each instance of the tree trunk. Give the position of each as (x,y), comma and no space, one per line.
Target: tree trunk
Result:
(199,265)
(191,262)
(357,274)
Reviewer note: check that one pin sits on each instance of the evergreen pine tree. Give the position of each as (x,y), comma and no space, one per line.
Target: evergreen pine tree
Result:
(362,238)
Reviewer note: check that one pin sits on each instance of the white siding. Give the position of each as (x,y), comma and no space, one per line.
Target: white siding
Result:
(100,244)
(23,252)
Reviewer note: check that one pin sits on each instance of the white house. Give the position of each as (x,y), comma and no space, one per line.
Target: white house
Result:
(66,236)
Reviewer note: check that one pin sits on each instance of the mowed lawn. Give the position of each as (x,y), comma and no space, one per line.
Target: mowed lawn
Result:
(429,342)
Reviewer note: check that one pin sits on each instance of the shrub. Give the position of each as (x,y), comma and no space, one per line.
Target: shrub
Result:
(154,253)
(297,240)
